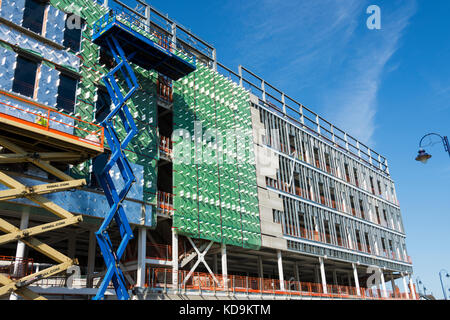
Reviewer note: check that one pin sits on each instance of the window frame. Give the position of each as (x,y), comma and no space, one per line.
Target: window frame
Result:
(83,26)
(66,74)
(27,16)
(31,59)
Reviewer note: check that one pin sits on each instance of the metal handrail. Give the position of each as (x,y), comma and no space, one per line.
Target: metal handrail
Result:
(44,116)
(116,15)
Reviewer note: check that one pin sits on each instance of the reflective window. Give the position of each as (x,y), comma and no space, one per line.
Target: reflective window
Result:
(24,76)
(33,15)
(66,93)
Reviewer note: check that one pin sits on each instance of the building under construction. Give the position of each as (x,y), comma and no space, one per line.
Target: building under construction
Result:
(133,165)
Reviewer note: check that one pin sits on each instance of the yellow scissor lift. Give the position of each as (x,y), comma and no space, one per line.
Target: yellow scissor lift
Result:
(36,134)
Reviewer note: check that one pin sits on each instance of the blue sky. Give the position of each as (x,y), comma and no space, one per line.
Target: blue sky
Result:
(386,87)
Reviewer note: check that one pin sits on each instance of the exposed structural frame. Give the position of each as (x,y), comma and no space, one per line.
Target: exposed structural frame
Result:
(34,193)
(299,114)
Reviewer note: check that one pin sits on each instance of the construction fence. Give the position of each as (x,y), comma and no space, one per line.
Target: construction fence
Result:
(161,278)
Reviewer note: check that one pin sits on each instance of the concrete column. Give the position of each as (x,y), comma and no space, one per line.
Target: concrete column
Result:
(175,256)
(20,249)
(91,258)
(260,267)
(280,269)
(355,276)
(405,285)
(142,254)
(322,274)
(383,284)
(393,283)
(224,266)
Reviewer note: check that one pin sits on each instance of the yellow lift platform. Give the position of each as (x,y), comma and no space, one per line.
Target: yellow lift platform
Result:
(34,133)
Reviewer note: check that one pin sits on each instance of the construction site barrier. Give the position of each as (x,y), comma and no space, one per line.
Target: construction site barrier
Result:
(161,278)
(15,268)
(165,203)
(164,88)
(165,146)
(32,114)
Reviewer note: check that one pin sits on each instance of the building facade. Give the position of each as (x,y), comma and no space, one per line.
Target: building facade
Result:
(240,190)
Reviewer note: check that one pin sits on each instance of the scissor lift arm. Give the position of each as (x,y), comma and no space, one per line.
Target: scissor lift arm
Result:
(127,42)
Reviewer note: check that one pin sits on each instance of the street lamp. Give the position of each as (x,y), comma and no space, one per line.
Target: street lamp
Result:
(423,156)
(443,273)
(419,282)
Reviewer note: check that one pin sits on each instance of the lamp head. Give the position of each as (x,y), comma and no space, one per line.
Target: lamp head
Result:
(423,156)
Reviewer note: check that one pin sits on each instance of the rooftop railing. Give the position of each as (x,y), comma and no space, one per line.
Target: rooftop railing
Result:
(286,107)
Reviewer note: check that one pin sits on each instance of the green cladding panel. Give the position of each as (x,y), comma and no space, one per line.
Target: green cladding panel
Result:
(214,171)
(214,175)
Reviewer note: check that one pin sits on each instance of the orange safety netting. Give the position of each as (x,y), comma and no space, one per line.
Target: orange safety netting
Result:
(165,203)
(15,268)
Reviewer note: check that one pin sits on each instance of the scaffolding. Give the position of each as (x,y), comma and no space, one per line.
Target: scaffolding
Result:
(38,135)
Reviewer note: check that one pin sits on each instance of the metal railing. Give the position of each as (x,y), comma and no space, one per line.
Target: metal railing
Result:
(142,10)
(140,25)
(165,146)
(161,278)
(32,114)
(164,89)
(314,235)
(288,108)
(159,252)
(165,203)
(15,268)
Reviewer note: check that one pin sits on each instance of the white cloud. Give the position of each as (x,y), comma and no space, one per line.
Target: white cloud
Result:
(356,96)
(324,49)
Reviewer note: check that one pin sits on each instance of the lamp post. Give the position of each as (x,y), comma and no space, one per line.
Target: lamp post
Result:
(444,273)
(421,284)
(423,156)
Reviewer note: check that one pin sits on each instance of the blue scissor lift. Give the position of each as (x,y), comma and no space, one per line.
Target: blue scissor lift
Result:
(128,39)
